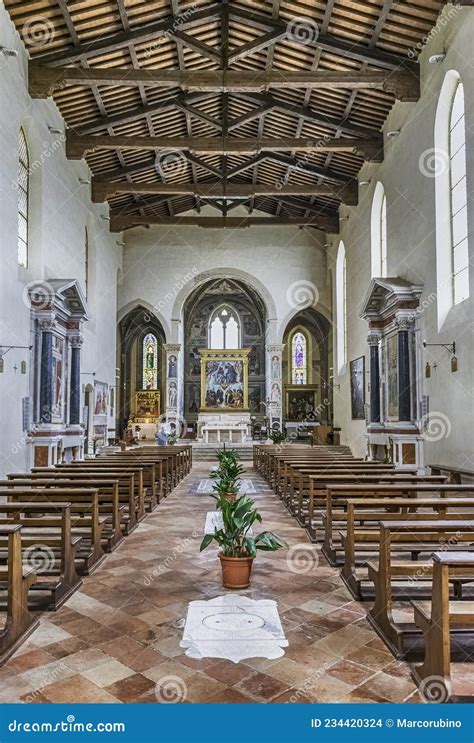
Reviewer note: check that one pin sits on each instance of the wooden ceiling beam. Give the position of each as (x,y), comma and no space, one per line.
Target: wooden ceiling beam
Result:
(102,190)
(150,33)
(370,149)
(256,45)
(190,42)
(403,84)
(119,222)
(304,167)
(110,175)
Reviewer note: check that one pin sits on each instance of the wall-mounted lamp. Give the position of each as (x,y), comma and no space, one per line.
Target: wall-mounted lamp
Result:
(104,217)
(88,374)
(7,52)
(393,133)
(120,244)
(84,181)
(55,130)
(451,347)
(365,183)
(437,58)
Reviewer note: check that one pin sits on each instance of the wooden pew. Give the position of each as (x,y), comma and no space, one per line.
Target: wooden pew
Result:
(152,476)
(85,519)
(130,489)
(438,620)
(424,537)
(48,543)
(395,489)
(108,493)
(16,581)
(362,534)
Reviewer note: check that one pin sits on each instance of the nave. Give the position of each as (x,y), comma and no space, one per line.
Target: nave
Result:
(118,638)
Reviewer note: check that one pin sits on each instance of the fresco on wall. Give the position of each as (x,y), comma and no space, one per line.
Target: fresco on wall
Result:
(224,384)
(101,398)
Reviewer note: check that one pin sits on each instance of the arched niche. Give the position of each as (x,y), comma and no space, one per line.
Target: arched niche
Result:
(317,332)
(202,305)
(133,329)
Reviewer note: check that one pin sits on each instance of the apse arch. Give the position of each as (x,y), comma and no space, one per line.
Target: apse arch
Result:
(149,310)
(203,278)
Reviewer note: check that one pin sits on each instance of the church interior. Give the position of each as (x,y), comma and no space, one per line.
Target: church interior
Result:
(236,265)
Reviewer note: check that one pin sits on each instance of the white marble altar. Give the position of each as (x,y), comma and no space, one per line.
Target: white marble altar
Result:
(215,428)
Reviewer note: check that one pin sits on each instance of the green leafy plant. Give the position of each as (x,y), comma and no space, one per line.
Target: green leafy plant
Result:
(228,473)
(234,539)
(171,438)
(277,437)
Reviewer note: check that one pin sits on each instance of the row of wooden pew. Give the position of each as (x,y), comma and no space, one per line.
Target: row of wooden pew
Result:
(404,542)
(58,524)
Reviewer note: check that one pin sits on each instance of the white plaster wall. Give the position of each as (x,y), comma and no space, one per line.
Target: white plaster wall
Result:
(60,208)
(412,249)
(162,266)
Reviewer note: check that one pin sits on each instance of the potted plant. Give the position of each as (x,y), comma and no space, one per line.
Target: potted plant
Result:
(238,547)
(277,437)
(227,475)
(171,439)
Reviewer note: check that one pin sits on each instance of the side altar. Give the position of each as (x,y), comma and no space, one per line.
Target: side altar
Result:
(224,413)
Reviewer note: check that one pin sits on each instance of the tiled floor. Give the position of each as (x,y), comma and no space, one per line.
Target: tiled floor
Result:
(118,639)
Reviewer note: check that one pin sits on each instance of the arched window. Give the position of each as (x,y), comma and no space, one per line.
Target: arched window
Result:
(379,233)
(458,196)
(150,362)
(23,187)
(224,328)
(452,259)
(299,359)
(341,319)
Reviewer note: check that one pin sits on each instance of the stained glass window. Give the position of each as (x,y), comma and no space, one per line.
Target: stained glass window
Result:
(457,172)
(23,185)
(150,362)
(299,356)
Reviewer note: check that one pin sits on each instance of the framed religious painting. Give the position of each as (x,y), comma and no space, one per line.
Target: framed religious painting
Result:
(101,398)
(147,406)
(357,376)
(224,380)
(301,403)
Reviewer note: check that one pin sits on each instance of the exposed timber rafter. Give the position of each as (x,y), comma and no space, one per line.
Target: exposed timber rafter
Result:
(369,149)
(218,190)
(401,83)
(119,222)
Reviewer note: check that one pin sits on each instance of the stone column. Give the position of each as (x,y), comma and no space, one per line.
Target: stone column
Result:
(274,381)
(173,385)
(45,413)
(373,339)
(404,381)
(75,381)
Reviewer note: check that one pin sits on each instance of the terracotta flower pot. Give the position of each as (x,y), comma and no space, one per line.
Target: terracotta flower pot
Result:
(236,571)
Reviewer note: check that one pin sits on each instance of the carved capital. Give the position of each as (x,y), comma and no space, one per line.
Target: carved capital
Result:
(172,347)
(47,324)
(76,341)
(276,348)
(373,338)
(404,323)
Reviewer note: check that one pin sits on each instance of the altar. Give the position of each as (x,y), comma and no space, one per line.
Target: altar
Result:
(216,429)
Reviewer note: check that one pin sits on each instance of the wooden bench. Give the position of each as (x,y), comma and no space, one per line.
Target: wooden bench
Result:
(438,621)
(47,545)
(86,521)
(108,495)
(362,534)
(403,638)
(340,493)
(16,581)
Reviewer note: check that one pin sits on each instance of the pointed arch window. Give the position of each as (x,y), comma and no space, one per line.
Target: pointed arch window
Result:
(86,260)
(23,198)
(224,328)
(150,362)
(341,313)
(299,358)
(379,233)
